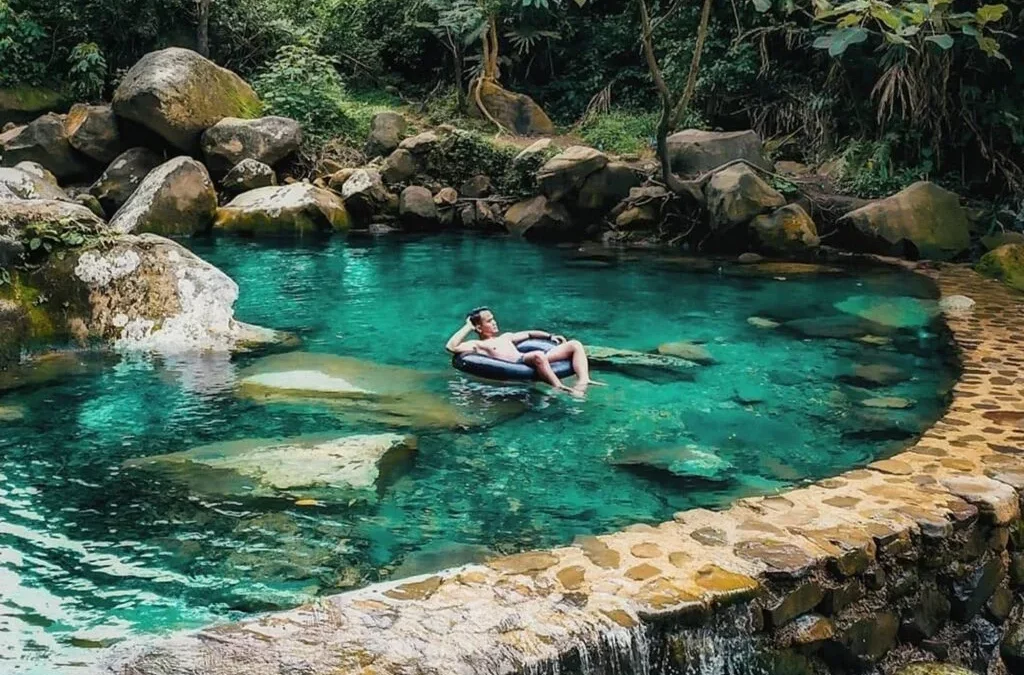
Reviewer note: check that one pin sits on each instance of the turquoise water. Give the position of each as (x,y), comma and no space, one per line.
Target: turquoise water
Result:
(92,550)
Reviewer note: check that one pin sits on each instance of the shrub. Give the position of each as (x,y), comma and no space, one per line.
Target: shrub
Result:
(619,131)
(87,72)
(303,85)
(464,154)
(21,49)
(869,168)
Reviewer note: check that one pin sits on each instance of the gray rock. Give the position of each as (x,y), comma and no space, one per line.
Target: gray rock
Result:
(19,184)
(16,214)
(476,187)
(123,176)
(693,151)
(736,194)
(386,131)
(179,94)
(565,172)
(248,174)
(364,194)
(416,207)
(605,188)
(787,230)
(176,198)
(267,139)
(399,167)
(45,141)
(420,144)
(288,210)
(93,131)
(540,219)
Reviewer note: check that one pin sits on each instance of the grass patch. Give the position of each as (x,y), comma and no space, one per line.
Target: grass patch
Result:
(620,132)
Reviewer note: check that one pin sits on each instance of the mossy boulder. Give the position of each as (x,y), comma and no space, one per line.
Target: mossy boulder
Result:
(12,331)
(1005,263)
(24,103)
(179,94)
(786,230)
(516,112)
(46,142)
(121,178)
(176,198)
(94,132)
(736,194)
(607,187)
(920,221)
(267,140)
(17,214)
(290,210)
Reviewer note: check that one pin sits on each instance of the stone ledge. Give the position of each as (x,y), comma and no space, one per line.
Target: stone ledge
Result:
(859,547)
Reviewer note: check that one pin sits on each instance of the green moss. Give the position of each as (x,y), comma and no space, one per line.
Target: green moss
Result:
(1005,263)
(30,99)
(40,325)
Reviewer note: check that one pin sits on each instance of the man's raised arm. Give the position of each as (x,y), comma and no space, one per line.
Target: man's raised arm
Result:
(455,342)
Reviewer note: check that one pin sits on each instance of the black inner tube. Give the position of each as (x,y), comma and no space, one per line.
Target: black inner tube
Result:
(491,368)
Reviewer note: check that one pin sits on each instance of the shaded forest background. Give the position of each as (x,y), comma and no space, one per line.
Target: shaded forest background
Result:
(877,111)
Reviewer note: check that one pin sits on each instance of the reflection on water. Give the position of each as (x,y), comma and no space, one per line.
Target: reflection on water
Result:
(94,546)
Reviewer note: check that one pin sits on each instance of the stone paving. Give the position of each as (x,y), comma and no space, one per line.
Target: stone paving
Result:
(523,611)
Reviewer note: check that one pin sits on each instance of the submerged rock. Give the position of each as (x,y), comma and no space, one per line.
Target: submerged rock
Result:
(179,94)
(357,389)
(322,466)
(11,413)
(688,461)
(646,366)
(893,312)
(689,351)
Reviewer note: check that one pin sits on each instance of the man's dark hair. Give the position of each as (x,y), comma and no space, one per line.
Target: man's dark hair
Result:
(474,316)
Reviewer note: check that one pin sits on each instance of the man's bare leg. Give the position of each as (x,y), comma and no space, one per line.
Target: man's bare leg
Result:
(573,349)
(540,362)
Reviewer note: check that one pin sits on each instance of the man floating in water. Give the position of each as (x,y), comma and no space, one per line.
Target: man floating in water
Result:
(502,346)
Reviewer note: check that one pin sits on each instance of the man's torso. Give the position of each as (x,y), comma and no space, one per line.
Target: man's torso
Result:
(503,347)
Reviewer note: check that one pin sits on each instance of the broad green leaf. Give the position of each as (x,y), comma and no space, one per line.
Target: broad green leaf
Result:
(990,13)
(846,37)
(968,29)
(988,45)
(762,5)
(887,16)
(894,39)
(943,41)
(823,42)
(849,20)
(910,31)
(35,243)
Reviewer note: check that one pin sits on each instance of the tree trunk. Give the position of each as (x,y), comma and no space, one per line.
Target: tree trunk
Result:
(203,28)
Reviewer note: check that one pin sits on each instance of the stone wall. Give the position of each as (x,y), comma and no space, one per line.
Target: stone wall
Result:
(914,558)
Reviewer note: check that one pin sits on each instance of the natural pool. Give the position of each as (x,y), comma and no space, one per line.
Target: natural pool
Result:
(92,549)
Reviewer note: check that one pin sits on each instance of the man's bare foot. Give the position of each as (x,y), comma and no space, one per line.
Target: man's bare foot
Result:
(587,383)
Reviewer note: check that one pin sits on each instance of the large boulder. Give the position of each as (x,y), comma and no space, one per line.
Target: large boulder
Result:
(22,104)
(176,198)
(13,329)
(93,131)
(147,292)
(736,194)
(517,112)
(288,210)
(325,466)
(605,188)
(1005,263)
(920,221)
(45,141)
(566,172)
(17,183)
(267,140)
(693,151)
(248,174)
(123,176)
(386,131)
(416,207)
(179,94)
(540,219)
(364,194)
(786,230)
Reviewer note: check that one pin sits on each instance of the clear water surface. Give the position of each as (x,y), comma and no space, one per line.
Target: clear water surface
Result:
(92,551)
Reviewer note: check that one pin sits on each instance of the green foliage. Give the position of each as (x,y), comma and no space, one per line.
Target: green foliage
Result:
(869,169)
(463,154)
(303,85)
(42,239)
(619,131)
(359,109)
(87,73)
(22,43)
